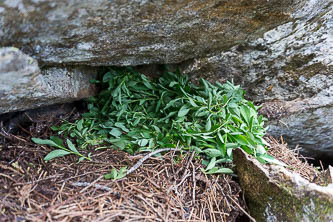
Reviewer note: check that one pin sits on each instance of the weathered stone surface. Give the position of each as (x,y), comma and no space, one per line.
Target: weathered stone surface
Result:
(275,194)
(20,79)
(117,32)
(23,86)
(293,60)
(305,122)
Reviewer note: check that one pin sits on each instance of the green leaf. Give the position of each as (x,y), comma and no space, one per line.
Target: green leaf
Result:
(45,142)
(173,83)
(115,132)
(81,159)
(211,164)
(197,149)
(200,99)
(55,153)
(260,149)
(208,124)
(229,152)
(193,104)
(212,152)
(55,128)
(232,145)
(250,125)
(205,84)
(122,127)
(107,76)
(71,146)
(156,129)
(142,101)
(245,113)
(220,137)
(120,143)
(210,99)
(136,122)
(122,172)
(143,142)
(216,170)
(242,140)
(112,175)
(171,103)
(203,113)
(157,109)
(115,174)
(268,158)
(57,140)
(183,111)
(146,82)
(248,150)
(236,119)
(80,125)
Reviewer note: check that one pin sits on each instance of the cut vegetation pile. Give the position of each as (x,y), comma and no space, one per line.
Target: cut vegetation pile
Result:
(135,114)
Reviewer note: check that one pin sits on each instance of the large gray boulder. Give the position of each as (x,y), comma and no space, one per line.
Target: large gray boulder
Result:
(103,32)
(23,86)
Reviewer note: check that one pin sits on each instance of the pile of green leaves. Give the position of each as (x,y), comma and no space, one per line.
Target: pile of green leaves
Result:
(134,114)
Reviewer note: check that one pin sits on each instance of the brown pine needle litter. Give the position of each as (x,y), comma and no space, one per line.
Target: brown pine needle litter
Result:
(280,150)
(161,189)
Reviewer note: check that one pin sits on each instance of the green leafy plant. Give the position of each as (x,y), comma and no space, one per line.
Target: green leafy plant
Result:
(116,174)
(82,130)
(62,151)
(134,114)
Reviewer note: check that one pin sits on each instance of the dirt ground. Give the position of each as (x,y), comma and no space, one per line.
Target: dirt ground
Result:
(171,188)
